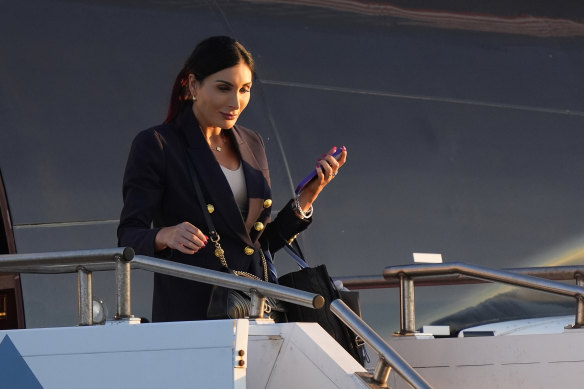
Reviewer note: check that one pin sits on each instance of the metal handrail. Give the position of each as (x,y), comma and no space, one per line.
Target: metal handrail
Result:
(485,273)
(83,262)
(388,357)
(200,274)
(64,261)
(558,273)
(407,273)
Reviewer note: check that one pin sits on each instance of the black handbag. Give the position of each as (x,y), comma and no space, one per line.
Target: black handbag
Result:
(317,280)
(226,303)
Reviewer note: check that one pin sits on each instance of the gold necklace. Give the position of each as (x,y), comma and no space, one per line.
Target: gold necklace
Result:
(217,148)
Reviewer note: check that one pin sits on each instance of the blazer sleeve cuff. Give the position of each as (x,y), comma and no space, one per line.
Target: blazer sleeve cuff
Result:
(289,223)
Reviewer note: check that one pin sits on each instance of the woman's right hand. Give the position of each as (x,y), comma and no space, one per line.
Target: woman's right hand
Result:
(183,237)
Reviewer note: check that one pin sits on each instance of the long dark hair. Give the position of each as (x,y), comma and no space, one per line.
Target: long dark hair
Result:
(209,56)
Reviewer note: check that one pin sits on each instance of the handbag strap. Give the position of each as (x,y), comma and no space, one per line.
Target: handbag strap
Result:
(301,262)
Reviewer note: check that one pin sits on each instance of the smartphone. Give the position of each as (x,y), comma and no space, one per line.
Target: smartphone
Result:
(312,175)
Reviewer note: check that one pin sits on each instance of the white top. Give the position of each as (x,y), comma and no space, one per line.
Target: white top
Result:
(236,180)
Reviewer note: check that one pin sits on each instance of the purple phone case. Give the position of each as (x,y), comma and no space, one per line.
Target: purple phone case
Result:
(310,177)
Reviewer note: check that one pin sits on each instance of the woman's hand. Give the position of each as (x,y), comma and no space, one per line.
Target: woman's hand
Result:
(330,168)
(183,237)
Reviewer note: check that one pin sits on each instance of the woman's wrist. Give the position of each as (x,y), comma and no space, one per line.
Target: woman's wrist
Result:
(159,244)
(302,210)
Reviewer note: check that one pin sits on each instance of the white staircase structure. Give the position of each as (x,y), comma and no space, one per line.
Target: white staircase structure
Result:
(543,361)
(205,354)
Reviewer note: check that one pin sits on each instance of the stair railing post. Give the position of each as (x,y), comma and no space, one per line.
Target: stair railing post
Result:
(257,305)
(579,321)
(123,288)
(85,294)
(407,305)
(381,373)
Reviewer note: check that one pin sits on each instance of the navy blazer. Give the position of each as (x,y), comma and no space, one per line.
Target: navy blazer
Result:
(158,191)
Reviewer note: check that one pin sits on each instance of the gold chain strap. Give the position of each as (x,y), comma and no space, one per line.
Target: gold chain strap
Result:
(264,264)
(220,253)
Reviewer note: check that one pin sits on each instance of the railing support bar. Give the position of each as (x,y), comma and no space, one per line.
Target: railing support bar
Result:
(85,293)
(579,321)
(381,373)
(257,305)
(407,305)
(123,288)
(379,345)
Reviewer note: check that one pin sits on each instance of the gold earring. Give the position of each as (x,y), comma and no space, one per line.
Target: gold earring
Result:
(194,98)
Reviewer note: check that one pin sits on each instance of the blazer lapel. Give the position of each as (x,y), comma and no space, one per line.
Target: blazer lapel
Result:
(258,187)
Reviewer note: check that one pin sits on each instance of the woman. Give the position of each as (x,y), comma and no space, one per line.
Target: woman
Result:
(199,141)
